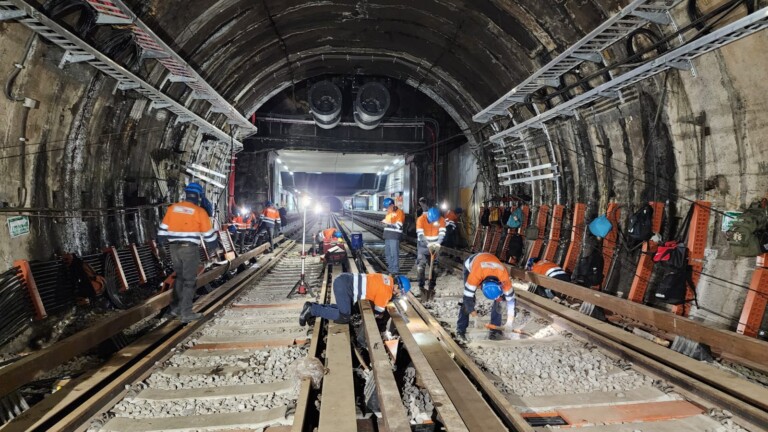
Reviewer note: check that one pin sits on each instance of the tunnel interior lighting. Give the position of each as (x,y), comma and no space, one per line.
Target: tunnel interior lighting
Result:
(306,200)
(444,206)
(291,172)
(278,160)
(318,209)
(244,211)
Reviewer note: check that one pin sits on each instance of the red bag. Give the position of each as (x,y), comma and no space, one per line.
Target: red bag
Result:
(673,254)
(663,253)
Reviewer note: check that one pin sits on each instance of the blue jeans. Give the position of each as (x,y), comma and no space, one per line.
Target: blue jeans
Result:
(344,292)
(392,255)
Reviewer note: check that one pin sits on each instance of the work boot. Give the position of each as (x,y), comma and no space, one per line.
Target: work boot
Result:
(171,314)
(306,315)
(194,316)
(343,319)
(462,337)
(495,335)
(423,293)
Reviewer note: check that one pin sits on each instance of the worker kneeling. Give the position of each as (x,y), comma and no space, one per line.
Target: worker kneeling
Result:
(484,270)
(349,288)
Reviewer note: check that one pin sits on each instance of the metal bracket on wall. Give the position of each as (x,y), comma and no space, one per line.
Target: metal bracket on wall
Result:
(77,48)
(686,53)
(154,47)
(589,48)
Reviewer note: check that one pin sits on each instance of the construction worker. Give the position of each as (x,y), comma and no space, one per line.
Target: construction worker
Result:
(484,270)
(349,288)
(430,233)
(283,215)
(451,226)
(184,226)
(548,269)
(393,232)
(270,221)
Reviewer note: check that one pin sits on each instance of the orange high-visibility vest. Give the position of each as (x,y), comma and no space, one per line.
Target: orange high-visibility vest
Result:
(481,266)
(186,222)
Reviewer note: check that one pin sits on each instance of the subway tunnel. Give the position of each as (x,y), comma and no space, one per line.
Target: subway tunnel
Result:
(571,110)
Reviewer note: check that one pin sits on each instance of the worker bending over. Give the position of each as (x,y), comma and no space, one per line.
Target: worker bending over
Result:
(452,226)
(484,270)
(430,233)
(184,226)
(270,222)
(349,288)
(393,232)
(548,269)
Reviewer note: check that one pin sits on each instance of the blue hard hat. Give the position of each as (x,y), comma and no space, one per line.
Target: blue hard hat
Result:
(491,288)
(459,210)
(404,283)
(388,202)
(530,263)
(337,234)
(267,203)
(433,214)
(194,188)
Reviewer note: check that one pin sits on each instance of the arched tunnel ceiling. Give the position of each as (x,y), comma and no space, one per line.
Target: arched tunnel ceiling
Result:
(463,54)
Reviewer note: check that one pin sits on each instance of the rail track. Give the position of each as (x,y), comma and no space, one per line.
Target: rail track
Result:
(80,397)
(563,368)
(245,367)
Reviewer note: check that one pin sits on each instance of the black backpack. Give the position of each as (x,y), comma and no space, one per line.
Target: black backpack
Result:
(589,270)
(515,248)
(676,276)
(484,217)
(641,225)
(505,215)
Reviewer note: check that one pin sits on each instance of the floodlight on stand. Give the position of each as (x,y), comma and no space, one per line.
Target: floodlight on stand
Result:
(244,211)
(207,170)
(306,200)
(444,206)
(302,287)
(318,209)
(204,178)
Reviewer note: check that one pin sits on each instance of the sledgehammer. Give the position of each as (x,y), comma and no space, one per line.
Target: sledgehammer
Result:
(504,329)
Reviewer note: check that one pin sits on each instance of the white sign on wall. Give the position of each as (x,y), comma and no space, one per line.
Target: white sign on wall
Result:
(18,226)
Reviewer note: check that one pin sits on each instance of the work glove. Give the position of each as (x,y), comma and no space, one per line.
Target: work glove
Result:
(434,247)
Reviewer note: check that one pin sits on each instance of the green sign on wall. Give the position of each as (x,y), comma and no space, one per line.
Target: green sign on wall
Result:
(18,226)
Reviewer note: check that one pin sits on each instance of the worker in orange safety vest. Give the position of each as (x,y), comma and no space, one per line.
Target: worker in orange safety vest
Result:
(393,232)
(185,226)
(270,222)
(430,233)
(485,271)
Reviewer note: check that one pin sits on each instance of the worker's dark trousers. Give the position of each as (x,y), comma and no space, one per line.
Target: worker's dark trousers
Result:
(186,261)
(450,236)
(392,254)
(269,229)
(422,265)
(343,289)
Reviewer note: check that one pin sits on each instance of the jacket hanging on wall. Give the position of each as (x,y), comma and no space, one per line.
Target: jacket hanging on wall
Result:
(745,236)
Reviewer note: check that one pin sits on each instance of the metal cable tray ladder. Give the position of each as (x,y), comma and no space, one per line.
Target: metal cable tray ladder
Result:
(679,58)
(589,48)
(77,50)
(117,12)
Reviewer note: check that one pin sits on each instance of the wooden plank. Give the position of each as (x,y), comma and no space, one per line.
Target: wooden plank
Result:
(249,345)
(250,419)
(445,409)
(337,409)
(720,340)
(626,413)
(304,402)
(215,392)
(393,411)
(511,417)
(727,390)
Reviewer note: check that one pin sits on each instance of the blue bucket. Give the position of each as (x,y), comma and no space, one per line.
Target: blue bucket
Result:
(356,241)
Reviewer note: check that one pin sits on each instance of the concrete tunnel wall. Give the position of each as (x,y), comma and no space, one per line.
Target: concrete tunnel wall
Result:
(92,146)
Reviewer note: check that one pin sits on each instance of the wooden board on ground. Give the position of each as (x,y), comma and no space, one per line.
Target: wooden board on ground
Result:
(445,409)
(392,409)
(211,422)
(215,392)
(337,408)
